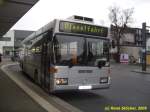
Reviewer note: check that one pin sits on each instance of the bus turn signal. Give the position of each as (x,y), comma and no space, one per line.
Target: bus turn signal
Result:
(53,70)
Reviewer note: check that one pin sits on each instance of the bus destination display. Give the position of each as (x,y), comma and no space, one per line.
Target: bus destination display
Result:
(71,27)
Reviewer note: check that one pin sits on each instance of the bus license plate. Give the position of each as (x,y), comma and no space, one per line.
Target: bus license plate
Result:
(85,87)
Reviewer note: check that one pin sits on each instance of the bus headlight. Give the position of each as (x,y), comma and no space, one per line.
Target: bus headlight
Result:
(103,79)
(61,81)
(107,64)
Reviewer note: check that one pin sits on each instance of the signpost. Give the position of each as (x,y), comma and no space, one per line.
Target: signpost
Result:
(144,35)
(144,47)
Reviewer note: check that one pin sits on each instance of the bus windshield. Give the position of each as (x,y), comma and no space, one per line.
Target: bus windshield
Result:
(79,51)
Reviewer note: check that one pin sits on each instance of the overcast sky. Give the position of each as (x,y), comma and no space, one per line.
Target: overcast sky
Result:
(47,10)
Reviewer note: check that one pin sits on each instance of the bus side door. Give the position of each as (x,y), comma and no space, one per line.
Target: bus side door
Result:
(45,77)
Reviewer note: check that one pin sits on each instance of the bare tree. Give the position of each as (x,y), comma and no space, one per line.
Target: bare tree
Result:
(120,19)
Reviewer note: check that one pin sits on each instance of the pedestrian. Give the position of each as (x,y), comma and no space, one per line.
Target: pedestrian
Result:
(0,57)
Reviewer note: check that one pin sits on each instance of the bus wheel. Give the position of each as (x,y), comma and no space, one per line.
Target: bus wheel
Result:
(41,82)
(36,76)
(21,65)
(22,68)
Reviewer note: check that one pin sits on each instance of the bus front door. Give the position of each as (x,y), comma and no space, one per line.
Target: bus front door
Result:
(45,77)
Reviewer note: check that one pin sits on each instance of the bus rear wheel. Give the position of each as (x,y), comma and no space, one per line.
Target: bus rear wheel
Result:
(36,76)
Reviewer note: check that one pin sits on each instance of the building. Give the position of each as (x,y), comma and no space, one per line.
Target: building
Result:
(131,43)
(11,41)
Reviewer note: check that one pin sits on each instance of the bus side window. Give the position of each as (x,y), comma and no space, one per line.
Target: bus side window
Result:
(37,49)
(32,50)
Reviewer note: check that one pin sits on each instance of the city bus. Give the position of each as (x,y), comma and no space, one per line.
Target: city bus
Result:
(70,54)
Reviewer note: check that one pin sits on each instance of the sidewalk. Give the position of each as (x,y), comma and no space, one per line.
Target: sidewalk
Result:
(24,96)
(12,98)
(5,61)
(143,72)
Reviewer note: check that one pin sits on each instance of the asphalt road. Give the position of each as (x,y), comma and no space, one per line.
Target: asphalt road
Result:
(128,89)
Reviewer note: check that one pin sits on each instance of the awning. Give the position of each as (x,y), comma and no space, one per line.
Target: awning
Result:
(11,11)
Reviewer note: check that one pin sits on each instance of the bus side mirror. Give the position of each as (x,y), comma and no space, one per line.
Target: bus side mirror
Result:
(101,63)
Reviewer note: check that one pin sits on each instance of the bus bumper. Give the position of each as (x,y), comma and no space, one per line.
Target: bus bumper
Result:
(81,87)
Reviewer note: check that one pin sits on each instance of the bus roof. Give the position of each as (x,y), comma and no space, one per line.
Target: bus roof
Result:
(74,26)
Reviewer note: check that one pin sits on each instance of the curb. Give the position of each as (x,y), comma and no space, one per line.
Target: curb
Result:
(140,71)
(38,98)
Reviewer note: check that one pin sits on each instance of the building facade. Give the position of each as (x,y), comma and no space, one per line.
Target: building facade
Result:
(11,41)
(7,43)
(131,44)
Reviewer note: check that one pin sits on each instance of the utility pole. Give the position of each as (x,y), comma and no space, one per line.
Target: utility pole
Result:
(144,47)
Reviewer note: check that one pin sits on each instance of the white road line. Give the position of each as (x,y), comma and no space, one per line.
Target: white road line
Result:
(41,101)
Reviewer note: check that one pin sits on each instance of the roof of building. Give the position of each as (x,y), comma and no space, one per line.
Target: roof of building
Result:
(11,11)
(21,34)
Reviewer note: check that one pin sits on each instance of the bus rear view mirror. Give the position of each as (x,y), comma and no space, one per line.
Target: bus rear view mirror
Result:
(101,63)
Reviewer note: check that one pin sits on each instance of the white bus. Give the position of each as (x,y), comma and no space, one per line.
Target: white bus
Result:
(71,54)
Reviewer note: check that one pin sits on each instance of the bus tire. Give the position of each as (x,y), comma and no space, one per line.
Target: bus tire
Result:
(22,68)
(41,82)
(36,76)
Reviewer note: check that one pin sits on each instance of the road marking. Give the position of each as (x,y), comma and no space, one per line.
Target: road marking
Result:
(41,101)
